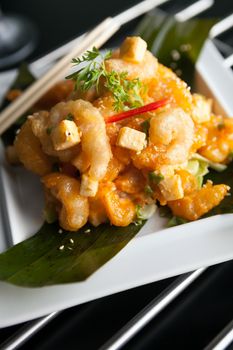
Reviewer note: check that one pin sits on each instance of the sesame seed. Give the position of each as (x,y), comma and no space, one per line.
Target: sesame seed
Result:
(60,230)
(70,248)
(185,47)
(71,241)
(61,247)
(87,231)
(175,55)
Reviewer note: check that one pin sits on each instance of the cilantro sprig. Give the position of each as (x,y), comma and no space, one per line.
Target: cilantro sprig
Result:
(126,93)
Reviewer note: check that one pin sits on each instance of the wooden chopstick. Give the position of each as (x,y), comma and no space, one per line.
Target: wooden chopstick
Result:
(96,37)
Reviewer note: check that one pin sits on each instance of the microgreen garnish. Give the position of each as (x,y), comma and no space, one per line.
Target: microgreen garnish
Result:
(155,178)
(138,221)
(126,93)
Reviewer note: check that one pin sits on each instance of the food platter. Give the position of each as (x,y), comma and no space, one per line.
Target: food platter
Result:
(155,253)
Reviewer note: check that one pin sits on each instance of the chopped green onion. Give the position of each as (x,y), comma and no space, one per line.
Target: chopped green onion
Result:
(155,178)
(145,212)
(176,220)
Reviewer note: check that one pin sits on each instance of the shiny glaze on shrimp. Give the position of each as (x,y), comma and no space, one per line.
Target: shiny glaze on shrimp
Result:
(175,130)
(74,207)
(95,143)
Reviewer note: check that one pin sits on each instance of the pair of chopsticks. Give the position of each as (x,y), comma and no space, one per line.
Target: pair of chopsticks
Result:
(96,37)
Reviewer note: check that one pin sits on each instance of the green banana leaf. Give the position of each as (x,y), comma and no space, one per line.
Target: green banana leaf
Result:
(50,257)
(176,44)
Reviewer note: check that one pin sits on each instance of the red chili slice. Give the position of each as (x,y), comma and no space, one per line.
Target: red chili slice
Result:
(132,112)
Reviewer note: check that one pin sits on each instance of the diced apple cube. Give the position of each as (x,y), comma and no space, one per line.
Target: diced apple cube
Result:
(65,135)
(171,188)
(131,139)
(88,187)
(201,108)
(133,49)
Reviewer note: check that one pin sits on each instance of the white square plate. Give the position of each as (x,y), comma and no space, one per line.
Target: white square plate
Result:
(155,253)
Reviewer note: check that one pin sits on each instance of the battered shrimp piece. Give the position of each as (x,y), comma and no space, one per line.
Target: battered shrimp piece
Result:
(95,143)
(134,59)
(29,151)
(43,123)
(131,181)
(198,203)
(97,212)
(74,207)
(105,105)
(144,70)
(120,210)
(175,129)
(166,84)
(219,142)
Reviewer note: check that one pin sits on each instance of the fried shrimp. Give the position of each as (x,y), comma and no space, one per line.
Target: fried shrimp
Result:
(28,150)
(43,124)
(134,59)
(174,129)
(144,70)
(95,143)
(74,207)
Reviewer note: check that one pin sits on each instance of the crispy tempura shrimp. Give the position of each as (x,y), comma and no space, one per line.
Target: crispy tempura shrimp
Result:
(144,70)
(197,203)
(28,150)
(74,210)
(95,143)
(134,59)
(43,123)
(95,147)
(120,209)
(174,129)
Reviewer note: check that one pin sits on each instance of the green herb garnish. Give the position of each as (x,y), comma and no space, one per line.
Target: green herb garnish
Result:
(155,178)
(126,93)
(176,220)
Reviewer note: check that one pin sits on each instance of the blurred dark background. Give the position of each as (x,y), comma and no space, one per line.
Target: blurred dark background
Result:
(59,21)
